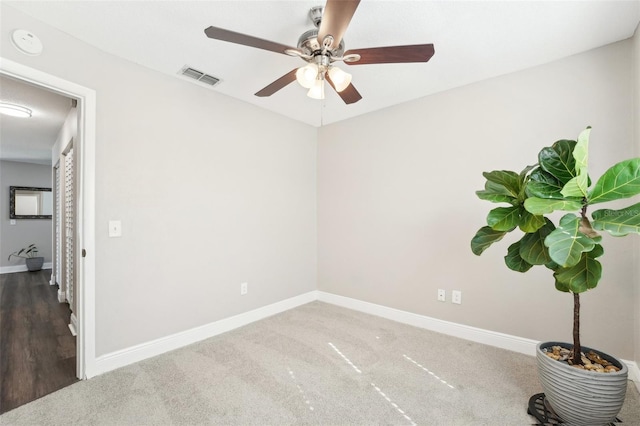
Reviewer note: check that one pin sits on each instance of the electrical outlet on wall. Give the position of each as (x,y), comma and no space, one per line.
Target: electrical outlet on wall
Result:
(244,289)
(456,297)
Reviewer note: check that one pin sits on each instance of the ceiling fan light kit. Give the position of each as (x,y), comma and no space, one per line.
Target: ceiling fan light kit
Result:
(341,80)
(306,75)
(321,47)
(317,90)
(309,75)
(14,110)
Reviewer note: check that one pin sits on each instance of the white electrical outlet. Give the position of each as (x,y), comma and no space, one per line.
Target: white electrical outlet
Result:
(442,295)
(244,289)
(456,297)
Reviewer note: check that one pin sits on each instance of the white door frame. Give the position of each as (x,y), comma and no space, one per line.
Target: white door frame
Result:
(85,229)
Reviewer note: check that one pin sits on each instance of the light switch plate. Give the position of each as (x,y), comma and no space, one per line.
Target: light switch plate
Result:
(115,228)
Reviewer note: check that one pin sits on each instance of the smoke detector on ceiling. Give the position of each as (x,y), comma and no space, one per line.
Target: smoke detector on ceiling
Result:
(26,42)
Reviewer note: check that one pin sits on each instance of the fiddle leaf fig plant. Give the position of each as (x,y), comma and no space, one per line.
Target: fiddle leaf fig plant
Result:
(571,247)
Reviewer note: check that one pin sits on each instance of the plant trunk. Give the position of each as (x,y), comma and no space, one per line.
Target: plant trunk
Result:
(577,349)
(577,357)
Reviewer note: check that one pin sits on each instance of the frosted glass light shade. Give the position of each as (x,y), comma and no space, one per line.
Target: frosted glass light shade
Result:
(14,110)
(340,79)
(306,75)
(317,90)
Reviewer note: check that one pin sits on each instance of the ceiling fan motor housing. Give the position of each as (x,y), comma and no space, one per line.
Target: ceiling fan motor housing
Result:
(308,43)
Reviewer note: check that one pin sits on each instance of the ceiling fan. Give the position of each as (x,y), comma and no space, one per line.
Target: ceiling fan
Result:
(321,47)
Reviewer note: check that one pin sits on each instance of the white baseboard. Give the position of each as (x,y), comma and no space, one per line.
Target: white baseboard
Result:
(146,350)
(479,335)
(61,296)
(21,268)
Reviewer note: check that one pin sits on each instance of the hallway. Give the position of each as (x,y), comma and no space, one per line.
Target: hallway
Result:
(37,350)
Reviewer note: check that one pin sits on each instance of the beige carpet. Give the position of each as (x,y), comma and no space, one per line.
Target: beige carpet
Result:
(316,364)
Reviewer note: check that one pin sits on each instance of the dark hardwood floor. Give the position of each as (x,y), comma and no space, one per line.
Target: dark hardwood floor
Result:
(37,350)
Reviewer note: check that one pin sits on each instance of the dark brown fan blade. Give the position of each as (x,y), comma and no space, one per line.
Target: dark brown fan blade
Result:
(349,95)
(335,20)
(392,54)
(278,84)
(246,40)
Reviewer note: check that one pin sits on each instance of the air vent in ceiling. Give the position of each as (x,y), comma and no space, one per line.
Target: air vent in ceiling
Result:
(199,76)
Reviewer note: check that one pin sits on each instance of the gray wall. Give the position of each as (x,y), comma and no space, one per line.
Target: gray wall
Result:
(397,209)
(25,231)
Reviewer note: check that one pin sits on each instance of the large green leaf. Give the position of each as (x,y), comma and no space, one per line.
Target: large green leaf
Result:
(508,179)
(558,160)
(504,218)
(529,222)
(543,185)
(540,206)
(495,198)
(620,181)
(597,251)
(618,222)
(514,261)
(532,248)
(496,193)
(582,276)
(484,238)
(496,188)
(578,185)
(562,286)
(566,243)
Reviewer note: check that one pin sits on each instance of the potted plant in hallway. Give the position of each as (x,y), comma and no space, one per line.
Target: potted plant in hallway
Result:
(582,385)
(30,256)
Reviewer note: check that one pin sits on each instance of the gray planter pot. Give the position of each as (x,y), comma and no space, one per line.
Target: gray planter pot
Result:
(581,397)
(34,263)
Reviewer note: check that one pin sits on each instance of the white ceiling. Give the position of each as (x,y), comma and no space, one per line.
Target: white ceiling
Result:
(474,40)
(30,140)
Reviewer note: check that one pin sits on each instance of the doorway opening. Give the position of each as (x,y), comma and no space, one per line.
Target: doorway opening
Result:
(84,230)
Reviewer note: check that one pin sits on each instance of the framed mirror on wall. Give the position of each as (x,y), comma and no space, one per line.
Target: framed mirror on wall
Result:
(27,202)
